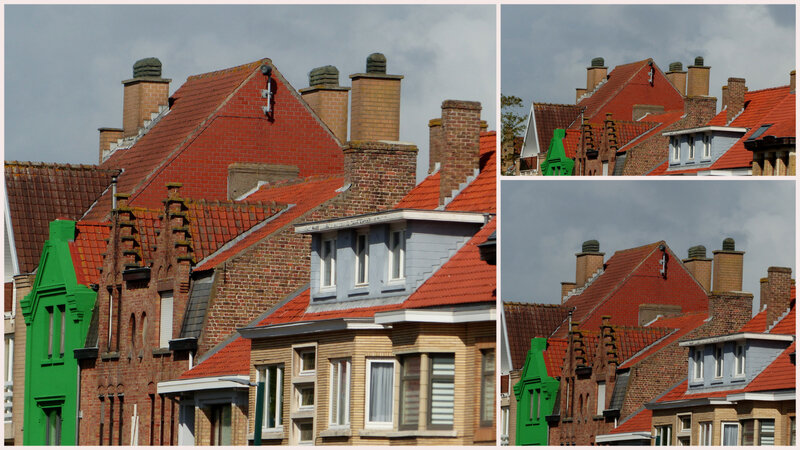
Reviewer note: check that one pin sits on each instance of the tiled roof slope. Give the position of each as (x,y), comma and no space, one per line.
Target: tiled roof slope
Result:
(87,250)
(525,321)
(571,141)
(630,340)
(554,356)
(780,374)
(551,116)
(216,119)
(39,193)
(628,85)
(639,422)
(757,324)
(302,195)
(786,325)
(631,277)
(232,359)
(767,106)
(680,326)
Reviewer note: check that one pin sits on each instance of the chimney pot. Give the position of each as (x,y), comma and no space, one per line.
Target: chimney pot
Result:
(324,76)
(698,251)
(598,62)
(147,67)
(376,63)
(698,61)
(676,66)
(728,245)
(327,99)
(590,246)
(587,262)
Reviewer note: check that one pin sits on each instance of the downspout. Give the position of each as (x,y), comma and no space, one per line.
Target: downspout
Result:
(78,408)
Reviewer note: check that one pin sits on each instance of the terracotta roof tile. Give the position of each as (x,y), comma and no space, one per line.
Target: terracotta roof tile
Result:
(232,359)
(631,340)
(87,250)
(554,356)
(639,422)
(525,321)
(680,326)
(758,324)
(480,194)
(550,116)
(780,374)
(39,193)
(424,195)
(571,141)
(679,393)
(787,325)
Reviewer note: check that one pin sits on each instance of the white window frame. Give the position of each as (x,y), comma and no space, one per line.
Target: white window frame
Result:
(722,432)
(697,364)
(367,422)
(365,281)
(739,360)
(679,424)
(706,146)
(336,365)
(166,303)
(691,148)
(659,434)
(329,266)
(299,389)
(675,143)
(300,352)
(298,433)
(601,397)
(402,254)
(706,433)
(263,375)
(719,361)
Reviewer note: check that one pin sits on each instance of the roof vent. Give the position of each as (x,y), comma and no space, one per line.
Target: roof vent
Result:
(698,61)
(147,67)
(591,246)
(376,63)
(325,75)
(598,62)
(677,66)
(698,251)
(728,245)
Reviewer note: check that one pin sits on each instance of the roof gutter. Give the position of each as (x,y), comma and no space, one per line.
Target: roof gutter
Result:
(703,129)
(396,215)
(202,384)
(315,326)
(738,337)
(481,314)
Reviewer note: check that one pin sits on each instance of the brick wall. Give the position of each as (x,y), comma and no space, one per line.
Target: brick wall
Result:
(141,98)
(375,110)
(727,271)
(736,90)
(778,292)
(459,153)
(23,285)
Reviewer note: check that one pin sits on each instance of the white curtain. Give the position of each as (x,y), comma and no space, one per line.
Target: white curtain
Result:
(730,434)
(380,391)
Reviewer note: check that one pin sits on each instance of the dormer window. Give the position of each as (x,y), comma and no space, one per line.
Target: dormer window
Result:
(739,359)
(698,363)
(362,258)
(397,254)
(706,146)
(718,361)
(327,260)
(675,143)
(691,148)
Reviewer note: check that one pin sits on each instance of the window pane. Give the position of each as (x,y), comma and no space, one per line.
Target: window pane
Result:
(766,432)
(730,434)
(487,388)
(308,361)
(306,431)
(409,411)
(307,396)
(442,389)
(381,380)
(274,396)
(61,311)
(361,258)
(165,332)
(50,336)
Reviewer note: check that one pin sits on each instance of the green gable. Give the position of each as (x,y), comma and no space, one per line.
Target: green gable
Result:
(536,394)
(556,161)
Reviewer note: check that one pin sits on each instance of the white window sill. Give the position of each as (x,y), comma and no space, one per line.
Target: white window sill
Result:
(268,434)
(369,432)
(304,378)
(337,431)
(305,413)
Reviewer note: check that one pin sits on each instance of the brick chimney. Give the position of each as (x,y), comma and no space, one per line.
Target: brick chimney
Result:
(677,76)
(727,270)
(776,292)
(735,97)
(459,147)
(435,142)
(566,286)
(697,84)
(380,173)
(375,111)
(328,100)
(579,93)
(729,312)
(595,73)
(587,262)
(107,137)
(792,82)
(699,110)
(143,95)
(699,266)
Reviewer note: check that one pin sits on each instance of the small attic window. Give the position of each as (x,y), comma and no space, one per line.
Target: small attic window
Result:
(759,132)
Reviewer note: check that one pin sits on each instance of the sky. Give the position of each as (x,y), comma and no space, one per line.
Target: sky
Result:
(546,48)
(64,64)
(544,222)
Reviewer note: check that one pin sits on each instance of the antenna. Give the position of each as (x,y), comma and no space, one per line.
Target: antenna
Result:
(266,70)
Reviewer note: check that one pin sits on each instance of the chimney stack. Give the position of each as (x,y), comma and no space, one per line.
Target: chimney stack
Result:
(778,292)
(375,111)
(107,137)
(435,143)
(380,173)
(699,266)
(143,95)
(792,82)
(566,286)
(677,76)
(735,97)
(587,262)
(328,100)
(595,73)
(727,267)
(697,84)
(579,92)
(459,148)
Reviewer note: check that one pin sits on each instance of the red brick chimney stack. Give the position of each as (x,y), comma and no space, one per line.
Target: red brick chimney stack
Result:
(460,150)
(776,293)
(587,262)
(143,95)
(792,82)
(728,267)
(699,266)
(328,100)
(375,109)
(595,73)
(735,98)
(677,77)
(435,142)
(107,137)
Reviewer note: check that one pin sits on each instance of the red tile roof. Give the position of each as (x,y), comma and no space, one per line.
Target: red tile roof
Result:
(87,250)
(658,124)
(215,120)
(525,321)
(232,359)
(679,393)
(39,193)
(680,326)
(630,278)
(554,356)
(424,195)
(787,325)
(639,422)
(304,195)
(631,340)
(571,141)
(549,117)
(628,85)
(780,374)
(758,324)
(480,194)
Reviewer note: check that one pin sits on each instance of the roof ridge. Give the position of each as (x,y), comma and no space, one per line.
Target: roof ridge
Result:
(57,165)
(774,88)
(547,305)
(253,64)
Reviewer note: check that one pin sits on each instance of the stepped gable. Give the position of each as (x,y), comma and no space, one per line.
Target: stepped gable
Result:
(39,193)
(87,250)
(191,143)
(301,196)
(525,321)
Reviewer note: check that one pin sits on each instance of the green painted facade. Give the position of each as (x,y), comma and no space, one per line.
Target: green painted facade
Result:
(57,313)
(556,162)
(536,396)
